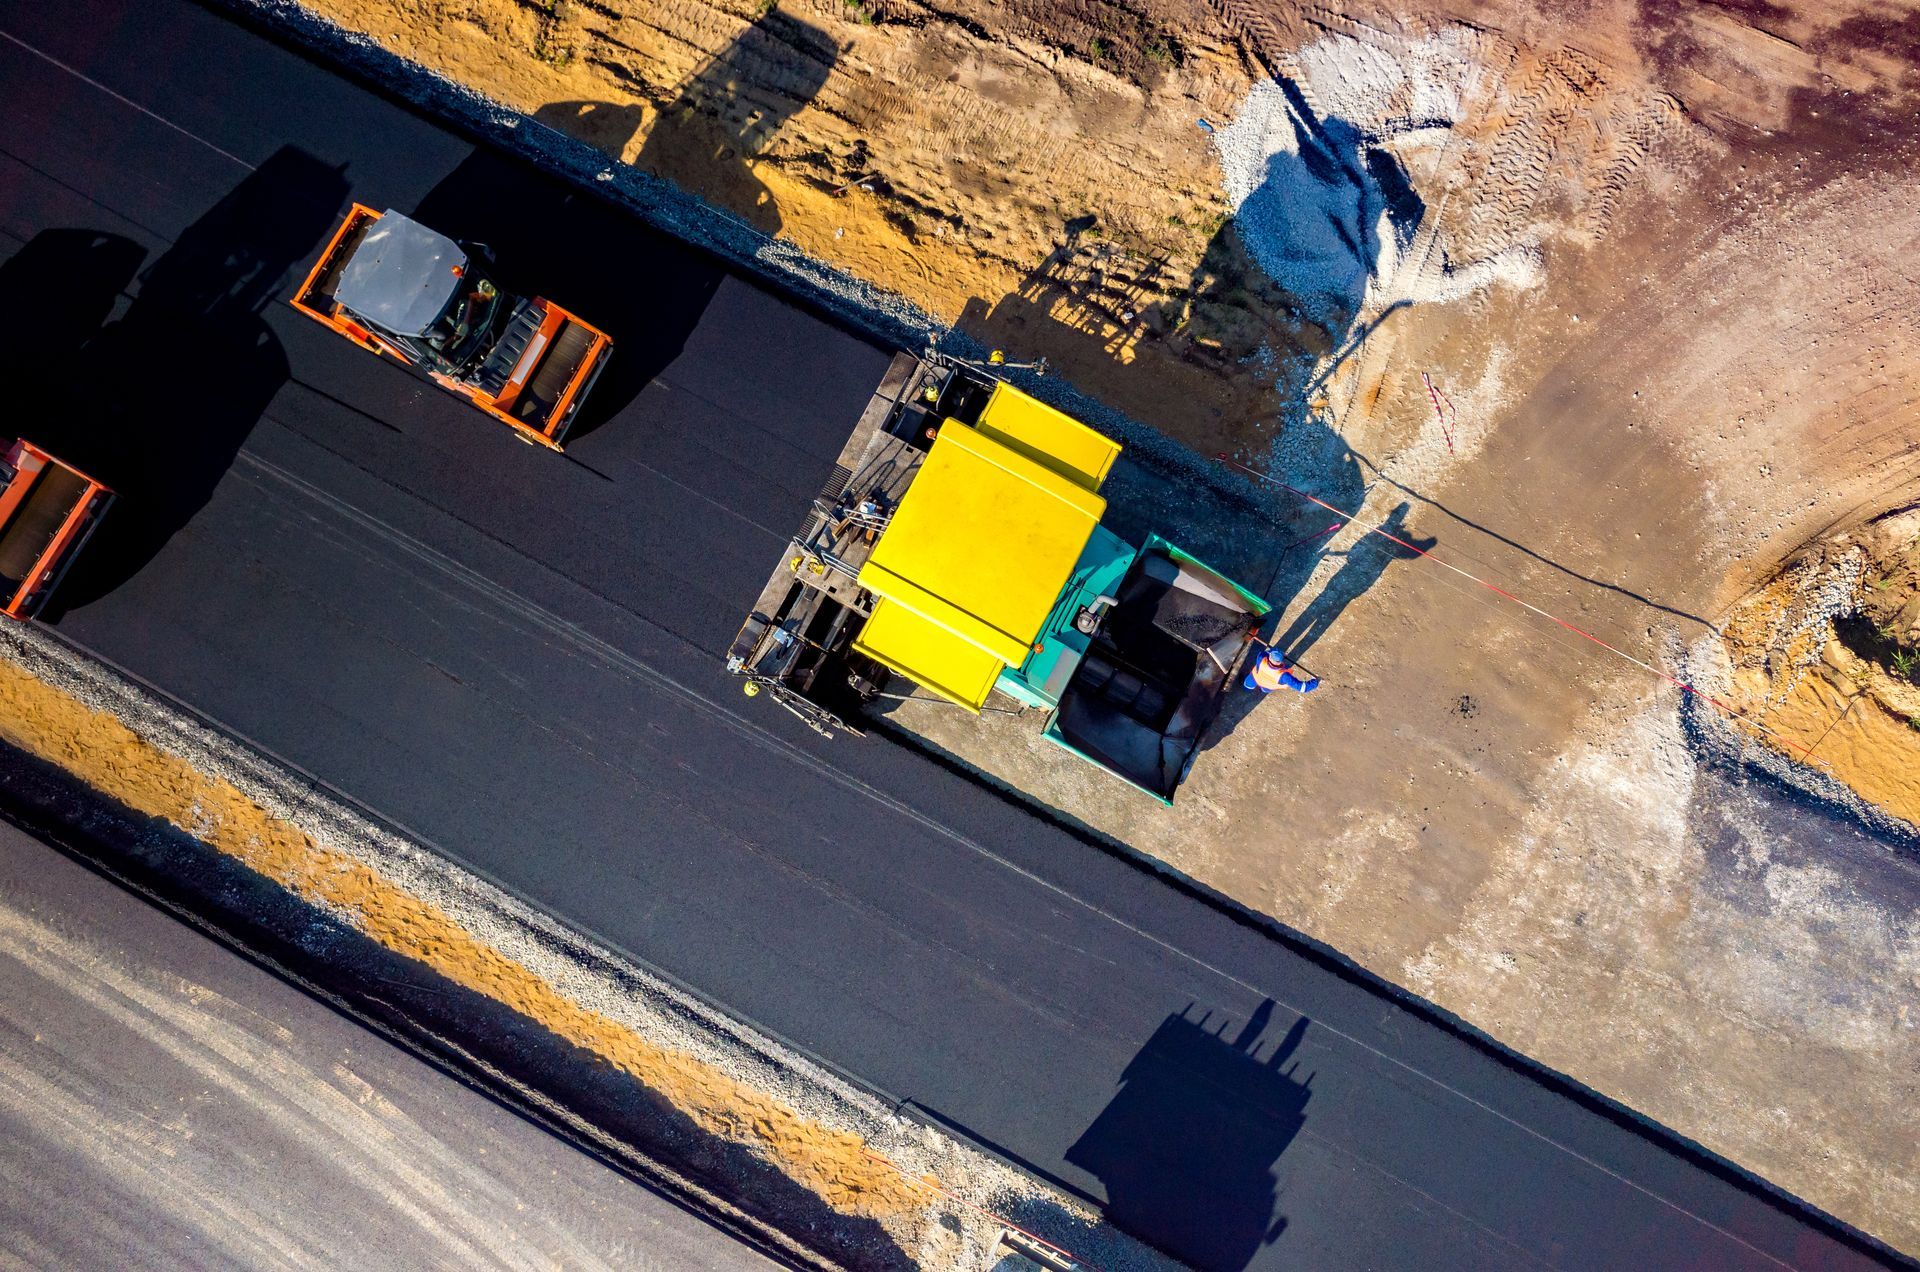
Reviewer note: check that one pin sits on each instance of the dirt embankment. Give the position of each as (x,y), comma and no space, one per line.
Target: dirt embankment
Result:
(1658,261)
(1826,657)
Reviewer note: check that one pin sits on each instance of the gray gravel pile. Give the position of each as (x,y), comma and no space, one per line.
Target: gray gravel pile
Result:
(1825,585)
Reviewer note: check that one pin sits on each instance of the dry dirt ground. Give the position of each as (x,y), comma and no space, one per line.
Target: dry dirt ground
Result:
(1659,262)
(1827,656)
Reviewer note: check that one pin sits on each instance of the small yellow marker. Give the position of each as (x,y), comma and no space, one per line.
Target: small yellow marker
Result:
(751,689)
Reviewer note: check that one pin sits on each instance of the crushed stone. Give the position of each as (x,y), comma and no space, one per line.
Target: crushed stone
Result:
(1312,169)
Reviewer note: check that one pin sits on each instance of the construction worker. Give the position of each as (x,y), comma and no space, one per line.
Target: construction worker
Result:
(1272,671)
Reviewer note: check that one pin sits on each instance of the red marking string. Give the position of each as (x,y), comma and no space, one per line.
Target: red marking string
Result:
(1318,534)
(1581,632)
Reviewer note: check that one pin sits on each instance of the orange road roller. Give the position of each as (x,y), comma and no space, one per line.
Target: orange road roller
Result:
(48,510)
(392,285)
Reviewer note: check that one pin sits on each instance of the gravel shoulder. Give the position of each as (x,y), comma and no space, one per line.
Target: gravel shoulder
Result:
(147,1074)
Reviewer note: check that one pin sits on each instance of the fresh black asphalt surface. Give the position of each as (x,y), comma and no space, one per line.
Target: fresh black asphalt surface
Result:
(516,655)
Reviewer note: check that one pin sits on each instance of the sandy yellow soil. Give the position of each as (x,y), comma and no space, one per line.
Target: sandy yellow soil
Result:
(1850,730)
(1711,358)
(1854,715)
(107,755)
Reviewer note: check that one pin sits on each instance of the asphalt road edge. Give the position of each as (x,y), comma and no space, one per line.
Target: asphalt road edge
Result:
(234,906)
(509,1056)
(1341,965)
(844,299)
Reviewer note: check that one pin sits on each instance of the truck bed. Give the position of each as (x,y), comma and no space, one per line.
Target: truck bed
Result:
(28,534)
(563,364)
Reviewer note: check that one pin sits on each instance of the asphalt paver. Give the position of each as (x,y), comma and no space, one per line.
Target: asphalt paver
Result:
(516,656)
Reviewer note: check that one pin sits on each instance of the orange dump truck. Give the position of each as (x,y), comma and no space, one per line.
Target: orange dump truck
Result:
(396,287)
(48,509)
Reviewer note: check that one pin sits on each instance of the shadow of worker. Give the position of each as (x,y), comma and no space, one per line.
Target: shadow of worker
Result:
(1320,463)
(1187,1147)
(1366,561)
(723,116)
(164,397)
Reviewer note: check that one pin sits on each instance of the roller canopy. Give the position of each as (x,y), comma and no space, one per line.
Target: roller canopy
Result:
(402,276)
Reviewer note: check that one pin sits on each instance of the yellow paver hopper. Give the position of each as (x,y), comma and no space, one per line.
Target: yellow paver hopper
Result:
(975,557)
(958,544)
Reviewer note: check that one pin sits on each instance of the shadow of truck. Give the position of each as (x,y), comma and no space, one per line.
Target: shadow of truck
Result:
(157,402)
